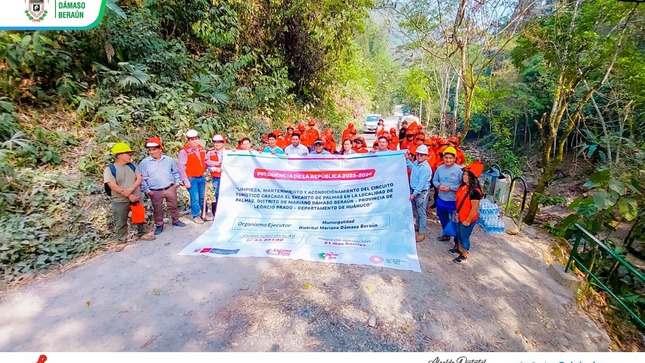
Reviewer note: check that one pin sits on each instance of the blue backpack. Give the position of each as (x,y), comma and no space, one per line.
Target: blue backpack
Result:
(108,190)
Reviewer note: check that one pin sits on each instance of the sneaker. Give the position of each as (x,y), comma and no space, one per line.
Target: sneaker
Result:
(453,250)
(148,237)
(207,218)
(443,238)
(179,223)
(420,237)
(198,220)
(158,230)
(459,259)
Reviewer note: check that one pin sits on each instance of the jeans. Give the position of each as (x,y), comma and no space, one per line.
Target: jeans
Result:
(444,211)
(196,192)
(463,235)
(420,204)
(216,188)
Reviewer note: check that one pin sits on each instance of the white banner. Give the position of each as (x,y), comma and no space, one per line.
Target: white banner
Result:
(51,14)
(342,209)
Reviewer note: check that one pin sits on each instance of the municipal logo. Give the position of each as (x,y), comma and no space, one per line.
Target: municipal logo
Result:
(36,10)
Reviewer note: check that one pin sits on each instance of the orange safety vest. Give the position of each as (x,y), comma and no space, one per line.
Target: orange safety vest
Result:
(309,137)
(463,202)
(196,162)
(214,157)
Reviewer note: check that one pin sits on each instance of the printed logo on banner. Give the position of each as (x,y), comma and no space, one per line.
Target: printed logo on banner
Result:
(395,261)
(36,10)
(376,259)
(221,251)
(329,256)
(204,250)
(276,252)
(42,359)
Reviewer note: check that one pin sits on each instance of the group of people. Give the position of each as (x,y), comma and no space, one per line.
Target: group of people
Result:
(433,162)
(158,176)
(436,162)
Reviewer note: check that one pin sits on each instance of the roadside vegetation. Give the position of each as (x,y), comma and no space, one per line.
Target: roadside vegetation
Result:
(553,92)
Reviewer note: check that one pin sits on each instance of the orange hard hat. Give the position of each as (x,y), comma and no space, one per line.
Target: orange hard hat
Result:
(312,122)
(301,127)
(350,125)
(442,142)
(454,140)
(393,130)
(476,168)
(277,132)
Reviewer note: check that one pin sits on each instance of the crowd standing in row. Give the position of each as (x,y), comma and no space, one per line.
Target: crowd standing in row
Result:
(432,161)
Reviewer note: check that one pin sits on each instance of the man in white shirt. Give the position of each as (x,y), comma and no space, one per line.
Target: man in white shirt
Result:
(296,148)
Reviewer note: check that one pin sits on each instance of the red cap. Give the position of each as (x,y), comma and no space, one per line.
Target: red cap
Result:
(312,122)
(154,142)
(301,127)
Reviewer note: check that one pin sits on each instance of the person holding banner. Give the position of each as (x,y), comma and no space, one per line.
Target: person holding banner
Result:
(319,148)
(382,145)
(296,148)
(192,165)
(419,184)
(272,147)
(347,147)
(214,161)
(447,180)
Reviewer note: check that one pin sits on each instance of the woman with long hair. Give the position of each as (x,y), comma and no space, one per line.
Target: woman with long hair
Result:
(346,149)
(468,196)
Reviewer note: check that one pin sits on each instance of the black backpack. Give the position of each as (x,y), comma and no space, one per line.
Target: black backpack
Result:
(108,190)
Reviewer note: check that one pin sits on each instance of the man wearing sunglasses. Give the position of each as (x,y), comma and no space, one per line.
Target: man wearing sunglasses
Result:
(160,182)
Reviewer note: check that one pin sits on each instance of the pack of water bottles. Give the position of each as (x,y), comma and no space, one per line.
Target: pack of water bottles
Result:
(489,217)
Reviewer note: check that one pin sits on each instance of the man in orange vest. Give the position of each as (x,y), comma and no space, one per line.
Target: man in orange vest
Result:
(192,165)
(346,132)
(393,140)
(461,158)
(328,140)
(311,135)
(214,161)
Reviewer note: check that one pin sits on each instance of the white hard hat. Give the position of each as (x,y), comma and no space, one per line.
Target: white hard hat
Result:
(192,133)
(422,149)
(218,137)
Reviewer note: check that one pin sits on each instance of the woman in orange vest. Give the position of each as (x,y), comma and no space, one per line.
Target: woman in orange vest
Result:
(192,165)
(468,196)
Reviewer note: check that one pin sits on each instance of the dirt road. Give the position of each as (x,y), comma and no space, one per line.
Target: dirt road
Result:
(148,298)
